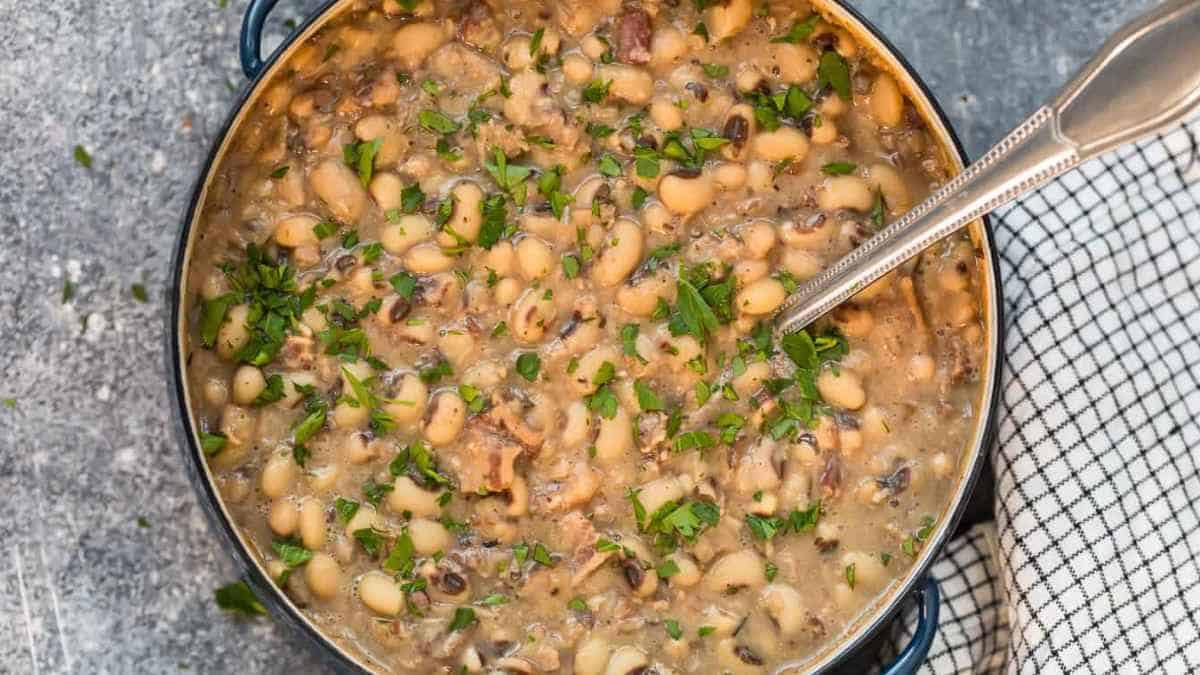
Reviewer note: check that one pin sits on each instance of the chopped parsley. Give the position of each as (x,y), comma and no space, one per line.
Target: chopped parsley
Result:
(437,122)
(239,599)
(210,442)
(800,31)
(82,158)
(528,365)
(834,72)
(673,629)
(463,617)
(597,91)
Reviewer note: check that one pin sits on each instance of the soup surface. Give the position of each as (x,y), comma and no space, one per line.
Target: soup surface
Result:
(479,338)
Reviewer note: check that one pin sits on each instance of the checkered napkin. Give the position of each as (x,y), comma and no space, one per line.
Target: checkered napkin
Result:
(1093,563)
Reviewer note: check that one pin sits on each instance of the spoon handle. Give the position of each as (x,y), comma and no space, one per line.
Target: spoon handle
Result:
(1145,79)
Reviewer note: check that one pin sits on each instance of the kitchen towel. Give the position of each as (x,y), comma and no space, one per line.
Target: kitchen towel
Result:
(1093,563)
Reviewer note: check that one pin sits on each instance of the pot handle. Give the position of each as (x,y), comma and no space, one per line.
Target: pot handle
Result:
(250,43)
(911,658)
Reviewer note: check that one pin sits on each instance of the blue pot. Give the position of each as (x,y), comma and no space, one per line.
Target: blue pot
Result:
(917,585)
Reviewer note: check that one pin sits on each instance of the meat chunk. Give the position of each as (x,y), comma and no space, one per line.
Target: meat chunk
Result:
(633,36)
(484,463)
(463,68)
(478,27)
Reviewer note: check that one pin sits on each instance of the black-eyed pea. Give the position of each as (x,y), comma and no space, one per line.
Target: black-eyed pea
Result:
(758,238)
(290,189)
(466,218)
(752,378)
(657,218)
(961,308)
(398,237)
(216,391)
(277,476)
(408,403)
(668,45)
(323,576)
(626,660)
(665,114)
(851,441)
(765,505)
(845,192)
(578,427)
(869,573)
(577,69)
(516,53)
(428,258)
(739,569)
(760,176)
(295,231)
(727,19)
(796,63)
(641,298)
(921,368)
(392,142)
(686,193)
(842,389)
(347,416)
(785,606)
(283,517)
(659,491)
(825,133)
(593,47)
(592,656)
(748,77)
(887,102)
(312,524)
(407,496)
(884,178)
(783,143)
(531,316)
(248,382)
(361,281)
(630,84)
(380,593)
(446,419)
(615,438)
(730,175)
(761,297)
(365,517)
(739,128)
(854,321)
(619,255)
(500,258)
(233,334)
(355,449)
(518,498)
(459,347)
(878,289)
(686,348)
(506,291)
(535,259)
(429,536)
(832,107)
(414,42)
(750,271)
(689,572)
(583,379)
(339,187)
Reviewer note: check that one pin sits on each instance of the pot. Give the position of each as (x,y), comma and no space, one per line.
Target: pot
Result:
(917,585)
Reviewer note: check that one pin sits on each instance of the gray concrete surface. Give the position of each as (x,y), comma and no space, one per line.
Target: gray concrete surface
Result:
(87,446)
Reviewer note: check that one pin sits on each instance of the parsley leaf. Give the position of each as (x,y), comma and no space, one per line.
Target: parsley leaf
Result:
(597,91)
(463,617)
(239,599)
(437,122)
(834,72)
(839,168)
(528,365)
(800,31)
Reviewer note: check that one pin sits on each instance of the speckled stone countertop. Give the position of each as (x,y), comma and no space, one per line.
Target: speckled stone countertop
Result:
(87,445)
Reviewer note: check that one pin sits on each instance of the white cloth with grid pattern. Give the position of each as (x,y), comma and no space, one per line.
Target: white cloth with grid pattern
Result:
(1093,563)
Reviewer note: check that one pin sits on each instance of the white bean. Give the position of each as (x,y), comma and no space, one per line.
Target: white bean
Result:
(615,438)
(843,390)
(785,605)
(413,42)
(627,83)
(531,316)
(577,68)
(736,570)
(626,660)
(665,114)
(429,536)
(312,524)
(686,195)
(294,231)
(668,45)
(398,237)
(387,190)
(761,297)
(380,593)
(277,476)
(467,217)
(340,189)
(797,63)
(845,192)
(248,383)
(620,255)
(578,426)
(783,143)
(408,404)
(887,103)
(323,576)
(728,19)
(233,334)
(428,259)
(447,419)
(592,656)
(891,186)
(283,517)
(534,258)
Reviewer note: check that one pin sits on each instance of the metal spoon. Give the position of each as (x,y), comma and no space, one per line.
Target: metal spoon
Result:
(1145,79)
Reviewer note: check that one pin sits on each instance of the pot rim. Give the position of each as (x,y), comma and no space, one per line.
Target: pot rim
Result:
(873,619)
